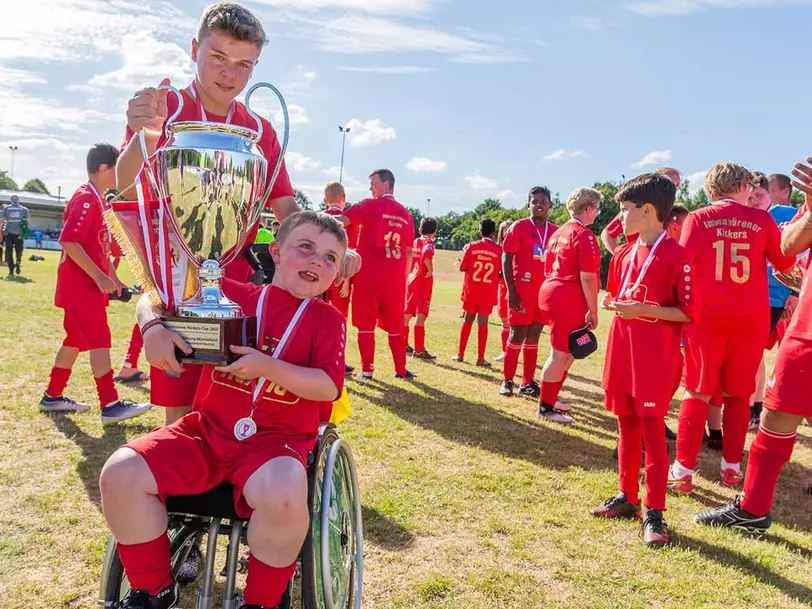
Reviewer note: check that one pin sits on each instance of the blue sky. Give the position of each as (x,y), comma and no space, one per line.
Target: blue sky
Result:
(462,100)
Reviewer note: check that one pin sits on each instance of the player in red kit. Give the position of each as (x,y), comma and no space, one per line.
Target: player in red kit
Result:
(85,278)
(259,443)
(568,298)
(502,304)
(419,287)
(524,252)
(481,261)
(335,199)
(729,245)
(649,288)
(385,238)
(788,399)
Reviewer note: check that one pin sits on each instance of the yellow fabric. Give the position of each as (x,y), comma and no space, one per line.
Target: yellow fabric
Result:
(341,408)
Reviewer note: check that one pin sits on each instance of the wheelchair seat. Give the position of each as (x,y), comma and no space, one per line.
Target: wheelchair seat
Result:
(214,503)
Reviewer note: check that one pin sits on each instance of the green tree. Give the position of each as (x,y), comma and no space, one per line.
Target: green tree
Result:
(36,185)
(6,182)
(796,199)
(302,200)
(700,199)
(684,194)
(417,217)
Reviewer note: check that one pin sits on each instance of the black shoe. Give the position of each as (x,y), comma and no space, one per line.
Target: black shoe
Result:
(409,350)
(531,390)
(732,516)
(348,369)
(18,269)
(507,388)
(669,435)
(424,355)
(617,507)
(713,441)
(191,566)
(655,530)
(141,599)
(407,376)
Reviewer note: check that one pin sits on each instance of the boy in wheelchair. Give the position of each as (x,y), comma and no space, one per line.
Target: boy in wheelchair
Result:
(252,425)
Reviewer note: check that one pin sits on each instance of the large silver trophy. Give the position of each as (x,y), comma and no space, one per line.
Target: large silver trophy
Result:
(199,196)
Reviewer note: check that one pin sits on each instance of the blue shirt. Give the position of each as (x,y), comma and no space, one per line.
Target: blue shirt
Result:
(778,291)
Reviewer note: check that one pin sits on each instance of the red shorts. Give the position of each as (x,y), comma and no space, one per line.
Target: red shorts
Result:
(382,304)
(174,392)
(189,457)
(502,304)
(342,304)
(418,303)
(565,311)
(473,308)
(86,328)
(623,405)
(530,313)
(713,362)
(788,388)
(778,334)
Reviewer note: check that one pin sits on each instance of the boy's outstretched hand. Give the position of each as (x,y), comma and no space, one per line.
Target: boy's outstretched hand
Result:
(249,366)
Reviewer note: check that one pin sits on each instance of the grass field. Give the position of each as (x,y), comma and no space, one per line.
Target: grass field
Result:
(469,501)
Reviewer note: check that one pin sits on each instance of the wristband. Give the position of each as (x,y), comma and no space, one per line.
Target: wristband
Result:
(151,324)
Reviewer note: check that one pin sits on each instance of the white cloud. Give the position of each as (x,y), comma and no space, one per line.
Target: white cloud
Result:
(381,7)
(369,133)
(421,163)
(696,181)
(655,157)
(388,69)
(506,194)
(593,24)
(296,114)
(479,182)
(301,162)
(669,8)
(562,154)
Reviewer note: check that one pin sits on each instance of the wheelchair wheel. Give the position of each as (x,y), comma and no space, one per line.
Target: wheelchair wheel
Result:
(114,584)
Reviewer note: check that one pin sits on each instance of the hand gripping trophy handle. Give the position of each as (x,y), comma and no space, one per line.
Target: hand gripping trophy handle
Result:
(142,138)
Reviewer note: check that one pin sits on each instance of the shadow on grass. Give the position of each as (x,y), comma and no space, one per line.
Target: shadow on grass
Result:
(469,369)
(18,279)
(739,562)
(385,532)
(471,423)
(96,451)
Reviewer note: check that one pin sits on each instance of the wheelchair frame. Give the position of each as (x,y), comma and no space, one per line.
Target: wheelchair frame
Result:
(330,573)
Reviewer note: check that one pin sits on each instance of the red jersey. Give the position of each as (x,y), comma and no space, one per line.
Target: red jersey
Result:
(269,144)
(385,229)
(573,250)
(83,224)
(351,230)
(727,244)
(642,354)
(316,342)
(528,243)
(481,262)
(422,251)
(615,229)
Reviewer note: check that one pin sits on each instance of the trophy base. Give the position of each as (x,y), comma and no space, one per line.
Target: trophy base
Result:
(210,339)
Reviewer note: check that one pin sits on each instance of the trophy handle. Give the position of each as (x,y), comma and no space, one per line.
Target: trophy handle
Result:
(285,136)
(142,138)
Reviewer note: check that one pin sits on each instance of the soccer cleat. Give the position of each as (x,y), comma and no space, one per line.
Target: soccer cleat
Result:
(730,477)
(409,350)
(507,388)
(424,355)
(531,390)
(61,404)
(363,376)
(684,485)
(733,516)
(500,358)
(617,507)
(483,364)
(554,415)
(122,410)
(409,375)
(458,358)
(348,369)
(562,407)
(655,530)
(18,268)
(141,599)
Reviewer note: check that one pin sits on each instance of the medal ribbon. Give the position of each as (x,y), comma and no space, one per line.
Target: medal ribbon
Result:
(102,206)
(543,239)
(203,116)
(643,270)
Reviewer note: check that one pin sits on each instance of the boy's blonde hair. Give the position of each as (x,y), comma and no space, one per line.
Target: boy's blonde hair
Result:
(233,20)
(333,191)
(325,222)
(582,199)
(724,179)
(503,229)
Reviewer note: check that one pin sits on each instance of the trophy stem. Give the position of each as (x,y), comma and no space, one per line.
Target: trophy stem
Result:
(211,302)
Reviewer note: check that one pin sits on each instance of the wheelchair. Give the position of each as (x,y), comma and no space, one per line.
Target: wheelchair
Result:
(329,573)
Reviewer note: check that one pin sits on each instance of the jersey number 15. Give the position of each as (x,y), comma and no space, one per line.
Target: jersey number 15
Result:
(738,263)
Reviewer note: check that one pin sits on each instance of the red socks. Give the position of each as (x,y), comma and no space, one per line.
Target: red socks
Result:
(419,339)
(530,356)
(134,349)
(505,336)
(398,348)
(366,348)
(465,333)
(735,421)
(406,333)
(147,565)
(482,342)
(550,391)
(768,454)
(265,585)
(693,414)
(634,431)
(106,388)
(511,360)
(58,382)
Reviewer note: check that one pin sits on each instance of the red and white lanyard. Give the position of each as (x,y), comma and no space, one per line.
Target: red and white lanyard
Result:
(643,270)
(203,116)
(102,206)
(726,200)
(543,239)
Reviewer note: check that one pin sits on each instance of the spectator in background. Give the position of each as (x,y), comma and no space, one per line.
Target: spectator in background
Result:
(38,239)
(275,227)
(11,220)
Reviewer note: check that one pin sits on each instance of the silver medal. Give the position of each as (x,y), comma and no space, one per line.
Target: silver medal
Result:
(245,428)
